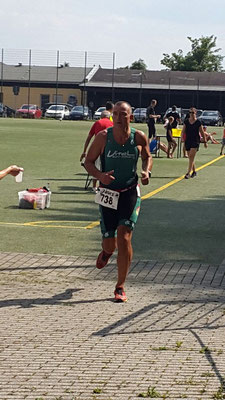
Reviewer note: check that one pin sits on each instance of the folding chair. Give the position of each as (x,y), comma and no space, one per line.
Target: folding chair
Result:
(176,133)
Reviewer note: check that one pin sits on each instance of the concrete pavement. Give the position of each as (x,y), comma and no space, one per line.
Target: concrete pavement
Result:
(63,338)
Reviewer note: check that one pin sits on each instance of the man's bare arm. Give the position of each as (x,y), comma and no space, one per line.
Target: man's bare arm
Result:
(87,141)
(96,149)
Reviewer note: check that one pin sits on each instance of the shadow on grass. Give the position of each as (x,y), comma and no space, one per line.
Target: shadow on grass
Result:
(173,230)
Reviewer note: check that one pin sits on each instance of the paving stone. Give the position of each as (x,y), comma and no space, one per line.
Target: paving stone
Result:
(62,336)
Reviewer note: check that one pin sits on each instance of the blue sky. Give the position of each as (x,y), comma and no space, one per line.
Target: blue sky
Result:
(132,29)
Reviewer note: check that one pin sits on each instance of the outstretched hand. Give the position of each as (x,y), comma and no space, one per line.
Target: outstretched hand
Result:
(107,177)
(14,170)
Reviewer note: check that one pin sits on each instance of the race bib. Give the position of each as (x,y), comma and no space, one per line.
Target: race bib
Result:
(107,198)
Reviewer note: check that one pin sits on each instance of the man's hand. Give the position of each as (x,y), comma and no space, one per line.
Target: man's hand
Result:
(205,144)
(144,178)
(107,177)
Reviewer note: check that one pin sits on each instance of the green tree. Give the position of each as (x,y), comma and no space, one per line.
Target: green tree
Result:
(202,57)
(139,64)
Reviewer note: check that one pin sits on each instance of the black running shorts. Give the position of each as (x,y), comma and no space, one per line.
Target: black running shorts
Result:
(126,213)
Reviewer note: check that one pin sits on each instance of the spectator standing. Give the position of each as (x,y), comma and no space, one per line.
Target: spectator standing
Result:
(109,107)
(176,117)
(151,118)
(192,129)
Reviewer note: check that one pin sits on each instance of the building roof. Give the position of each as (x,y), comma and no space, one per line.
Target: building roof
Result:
(48,74)
(121,77)
(180,80)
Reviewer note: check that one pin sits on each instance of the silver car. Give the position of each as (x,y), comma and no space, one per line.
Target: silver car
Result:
(140,114)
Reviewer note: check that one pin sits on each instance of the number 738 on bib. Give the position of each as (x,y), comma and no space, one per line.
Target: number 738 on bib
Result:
(107,198)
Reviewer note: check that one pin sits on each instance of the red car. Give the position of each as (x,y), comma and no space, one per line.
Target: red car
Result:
(33,111)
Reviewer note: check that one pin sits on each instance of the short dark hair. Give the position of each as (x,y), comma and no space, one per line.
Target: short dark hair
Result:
(174,108)
(109,105)
(119,103)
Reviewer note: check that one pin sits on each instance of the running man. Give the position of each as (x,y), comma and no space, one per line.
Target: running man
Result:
(119,197)
(192,129)
(103,123)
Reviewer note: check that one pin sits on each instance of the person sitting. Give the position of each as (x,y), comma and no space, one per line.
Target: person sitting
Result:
(11,170)
(208,136)
(156,144)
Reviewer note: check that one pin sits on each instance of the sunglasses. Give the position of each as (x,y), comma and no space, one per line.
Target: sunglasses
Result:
(192,112)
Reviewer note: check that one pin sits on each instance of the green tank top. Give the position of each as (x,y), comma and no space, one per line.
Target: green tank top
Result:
(122,159)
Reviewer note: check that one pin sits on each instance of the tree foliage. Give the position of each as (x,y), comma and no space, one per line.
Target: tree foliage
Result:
(139,64)
(202,57)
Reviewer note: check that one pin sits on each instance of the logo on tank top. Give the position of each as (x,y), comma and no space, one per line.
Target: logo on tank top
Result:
(120,154)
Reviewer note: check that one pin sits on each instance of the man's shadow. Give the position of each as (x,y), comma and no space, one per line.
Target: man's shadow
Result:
(57,299)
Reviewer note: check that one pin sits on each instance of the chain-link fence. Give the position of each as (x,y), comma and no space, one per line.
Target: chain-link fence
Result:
(41,77)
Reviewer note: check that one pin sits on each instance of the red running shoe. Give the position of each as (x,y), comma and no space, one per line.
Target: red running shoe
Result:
(120,295)
(102,259)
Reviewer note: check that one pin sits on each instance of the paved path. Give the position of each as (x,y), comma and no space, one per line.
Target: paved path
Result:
(63,338)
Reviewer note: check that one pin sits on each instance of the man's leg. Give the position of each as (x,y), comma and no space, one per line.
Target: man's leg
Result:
(125,254)
(108,246)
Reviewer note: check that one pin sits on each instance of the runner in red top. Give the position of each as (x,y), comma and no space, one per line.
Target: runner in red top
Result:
(97,127)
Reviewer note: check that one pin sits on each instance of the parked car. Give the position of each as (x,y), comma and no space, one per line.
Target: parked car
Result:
(80,112)
(97,114)
(31,110)
(58,111)
(209,117)
(140,114)
(46,106)
(183,113)
(199,113)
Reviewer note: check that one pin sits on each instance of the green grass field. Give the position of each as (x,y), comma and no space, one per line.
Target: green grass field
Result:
(184,222)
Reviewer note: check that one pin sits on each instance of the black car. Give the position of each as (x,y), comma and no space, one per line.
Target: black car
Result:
(80,112)
(209,117)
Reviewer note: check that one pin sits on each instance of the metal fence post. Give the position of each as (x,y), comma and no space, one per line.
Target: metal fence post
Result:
(84,86)
(57,78)
(29,74)
(113,79)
